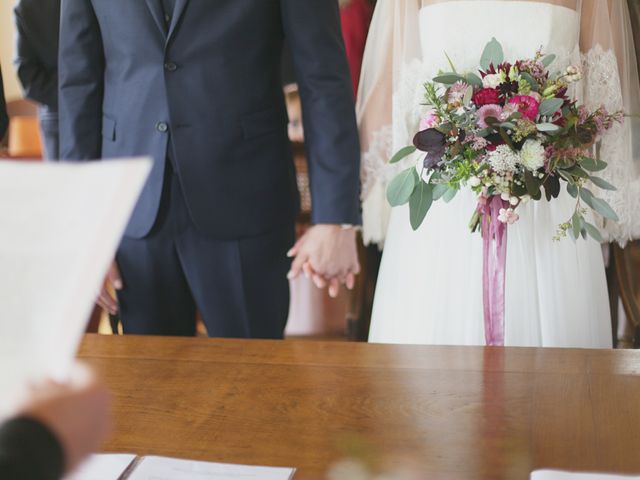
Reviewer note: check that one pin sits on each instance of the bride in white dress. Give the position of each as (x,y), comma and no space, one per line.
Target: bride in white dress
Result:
(430,283)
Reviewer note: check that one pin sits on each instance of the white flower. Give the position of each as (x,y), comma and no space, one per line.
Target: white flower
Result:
(474,182)
(532,155)
(492,80)
(505,196)
(503,159)
(508,215)
(514,201)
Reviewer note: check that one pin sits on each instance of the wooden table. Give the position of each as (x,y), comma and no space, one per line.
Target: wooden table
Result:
(455,412)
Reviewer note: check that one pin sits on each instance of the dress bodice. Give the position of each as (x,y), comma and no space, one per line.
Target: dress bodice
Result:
(462,28)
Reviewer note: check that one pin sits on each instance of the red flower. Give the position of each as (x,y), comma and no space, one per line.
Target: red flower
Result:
(527,106)
(486,96)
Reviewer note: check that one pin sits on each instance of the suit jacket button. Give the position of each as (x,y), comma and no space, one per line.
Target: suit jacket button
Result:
(162,127)
(170,67)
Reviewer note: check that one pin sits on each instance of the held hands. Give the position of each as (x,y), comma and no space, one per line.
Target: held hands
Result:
(326,254)
(112,282)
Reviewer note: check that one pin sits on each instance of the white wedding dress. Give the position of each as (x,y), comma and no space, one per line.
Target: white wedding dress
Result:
(430,283)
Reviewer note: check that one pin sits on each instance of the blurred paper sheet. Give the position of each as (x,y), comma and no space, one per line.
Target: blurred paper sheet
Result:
(559,475)
(60,225)
(161,468)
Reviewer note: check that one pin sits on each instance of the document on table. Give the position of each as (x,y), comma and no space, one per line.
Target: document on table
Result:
(130,467)
(103,467)
(560,475)
(60,225)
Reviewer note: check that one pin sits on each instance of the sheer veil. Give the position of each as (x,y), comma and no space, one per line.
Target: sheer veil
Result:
(610,78)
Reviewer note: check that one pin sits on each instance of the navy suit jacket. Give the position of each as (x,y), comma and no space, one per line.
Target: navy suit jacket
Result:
(37,24)
(210,82)
(4,119)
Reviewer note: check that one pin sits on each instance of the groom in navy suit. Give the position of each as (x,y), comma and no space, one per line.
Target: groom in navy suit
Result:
(196,85)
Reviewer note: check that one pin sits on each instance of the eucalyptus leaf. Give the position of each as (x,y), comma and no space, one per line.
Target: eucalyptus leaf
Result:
(547,127)
(448,78)
(453,68)
(492,54)
(604,209)
(548,60)
(420,203)
(576,224)
(530,80)
(593,232)
(507,125)
(439,190)
(587,197)
(572,189)
(603,184)
(550,106)
(402,153)
(401,187)
(589,163)
(532,184)
(468,95)
(473,79)
(449,195)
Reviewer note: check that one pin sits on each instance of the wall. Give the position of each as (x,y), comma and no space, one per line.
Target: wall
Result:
(7,46)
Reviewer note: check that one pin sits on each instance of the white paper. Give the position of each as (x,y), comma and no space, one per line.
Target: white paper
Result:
(161,468)
(60,225)
(102,467)
(560,475)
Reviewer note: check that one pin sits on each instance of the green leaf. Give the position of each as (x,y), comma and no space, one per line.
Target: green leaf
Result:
(507,125)
(533,185)
(589,163)
(492,54)
(468,95)
(448,78)
(577,171)
(547,127)
(576,224)
(530,80)
(548,60)
(552,187)
(420,203)
(402,153)
(401,187)
(604,209)
(550,106)
(587,197)
(449,195)
(603,184)
(453,68)
(593,232)
(439,190)
(572,189)
(473,79)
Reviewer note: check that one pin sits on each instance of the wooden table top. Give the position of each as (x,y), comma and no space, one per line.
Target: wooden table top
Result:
(452,412)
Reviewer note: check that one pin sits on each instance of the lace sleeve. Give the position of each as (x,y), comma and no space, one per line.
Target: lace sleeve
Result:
(393,42)
(611,79)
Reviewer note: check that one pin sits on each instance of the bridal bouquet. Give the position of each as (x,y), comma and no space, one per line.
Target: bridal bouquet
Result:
(511,134)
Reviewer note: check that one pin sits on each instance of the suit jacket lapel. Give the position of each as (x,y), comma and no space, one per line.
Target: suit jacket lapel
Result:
(177,15)
(157,12)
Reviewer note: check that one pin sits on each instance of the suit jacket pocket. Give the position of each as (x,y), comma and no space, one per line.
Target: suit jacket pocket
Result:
(108,128)
(264,122)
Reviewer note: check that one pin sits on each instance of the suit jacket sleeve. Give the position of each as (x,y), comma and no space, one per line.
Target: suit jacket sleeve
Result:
(81,78)
(4,118)
(29,451)
(312,29)
(39,83)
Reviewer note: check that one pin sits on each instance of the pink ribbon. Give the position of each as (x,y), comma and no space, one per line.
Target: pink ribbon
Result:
(494,243)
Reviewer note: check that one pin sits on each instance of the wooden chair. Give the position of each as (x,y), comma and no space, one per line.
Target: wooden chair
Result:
(24,140)
(623,275)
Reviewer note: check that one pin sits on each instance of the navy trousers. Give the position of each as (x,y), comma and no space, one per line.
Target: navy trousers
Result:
(239,286)
(50,133)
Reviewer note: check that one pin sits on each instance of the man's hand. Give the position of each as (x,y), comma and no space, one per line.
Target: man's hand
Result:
(327,254)
(77,413)
(112,282)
